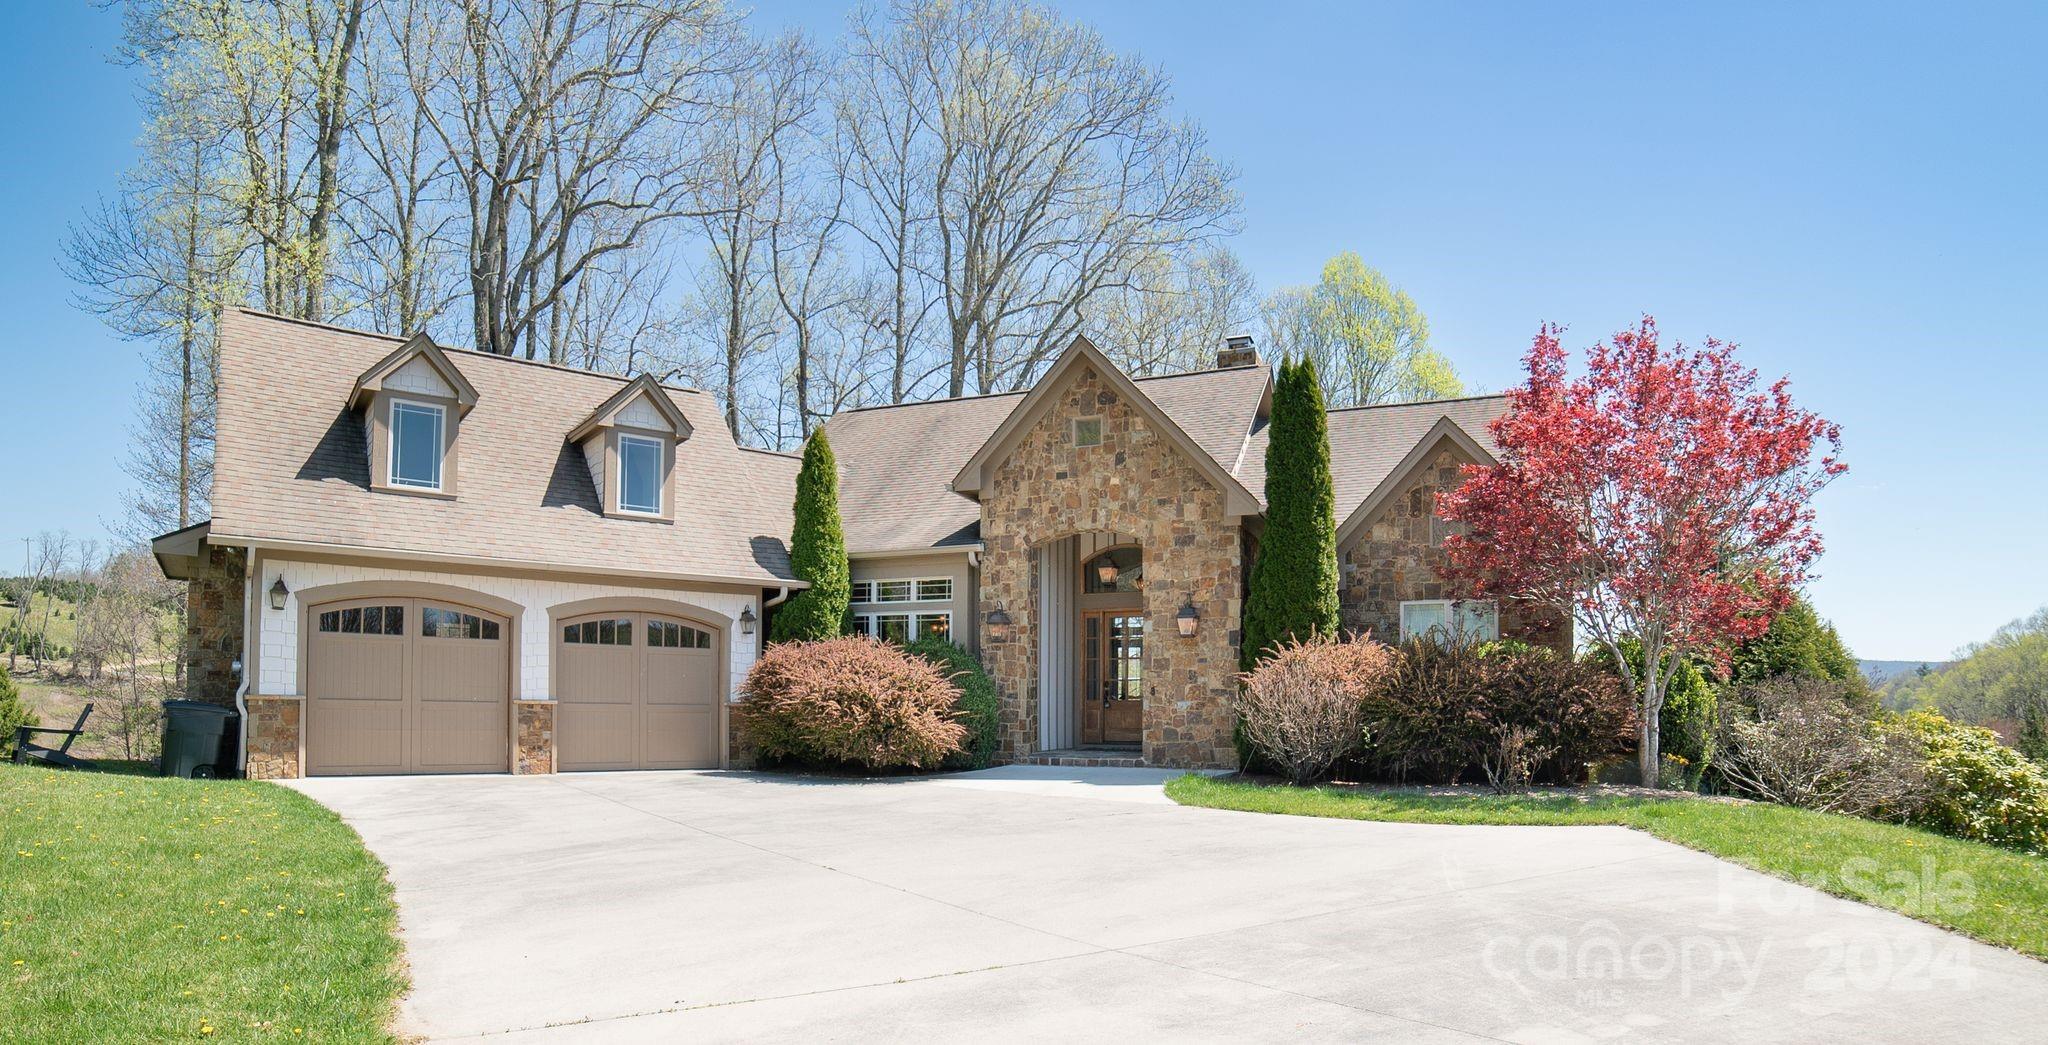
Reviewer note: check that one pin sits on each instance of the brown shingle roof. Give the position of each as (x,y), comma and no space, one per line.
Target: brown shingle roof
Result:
(292,466)
(897,463)
(1366,443)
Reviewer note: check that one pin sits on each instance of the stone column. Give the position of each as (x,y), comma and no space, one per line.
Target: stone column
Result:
(274,738)
(535,752)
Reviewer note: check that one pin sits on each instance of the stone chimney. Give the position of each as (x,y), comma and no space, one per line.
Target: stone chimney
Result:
(1237,350)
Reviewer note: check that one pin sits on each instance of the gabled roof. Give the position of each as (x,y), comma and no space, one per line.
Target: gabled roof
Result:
(418,346)
(897,463)
(643,386)
(1371,446)
(292,470)
(1045,394)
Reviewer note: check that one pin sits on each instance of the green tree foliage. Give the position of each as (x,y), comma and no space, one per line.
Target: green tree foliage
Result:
(13,712)
(817,551)
(978,707)
(1686,725)
(1992,682)
(2033,738)
(1369,341)
(1294,578)
(1799,645)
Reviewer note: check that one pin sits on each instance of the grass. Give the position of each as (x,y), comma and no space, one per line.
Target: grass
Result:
(1995,895)
(144,909)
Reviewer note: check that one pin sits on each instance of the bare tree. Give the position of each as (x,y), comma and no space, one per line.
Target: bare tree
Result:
(1055,167)
(1174,312)
(271,81)
(128,628)
(570,126)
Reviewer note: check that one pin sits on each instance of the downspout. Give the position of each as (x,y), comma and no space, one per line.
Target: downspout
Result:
(779,599)
(249,632)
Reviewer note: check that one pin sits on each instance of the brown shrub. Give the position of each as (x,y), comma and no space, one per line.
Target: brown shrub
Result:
(1800,743)
(1301,709)
(849,702)
(1513,712)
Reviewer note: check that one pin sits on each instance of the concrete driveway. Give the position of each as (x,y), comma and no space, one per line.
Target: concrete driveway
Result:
(1081,904)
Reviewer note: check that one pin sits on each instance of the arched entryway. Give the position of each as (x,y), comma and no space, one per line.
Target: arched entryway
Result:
(1093,645)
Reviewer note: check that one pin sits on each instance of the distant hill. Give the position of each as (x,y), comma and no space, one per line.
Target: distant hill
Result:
(1880,672)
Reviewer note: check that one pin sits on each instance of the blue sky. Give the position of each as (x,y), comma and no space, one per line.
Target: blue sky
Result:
(1855,194)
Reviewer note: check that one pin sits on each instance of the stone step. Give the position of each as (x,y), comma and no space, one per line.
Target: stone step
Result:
(1085,759)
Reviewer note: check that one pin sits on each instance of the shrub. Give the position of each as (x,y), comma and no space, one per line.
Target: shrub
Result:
(1293,588)
(1977,788)
(1514,712)
(849,702)
(13,712)
(978,708)
(1301,710)
(1798,742)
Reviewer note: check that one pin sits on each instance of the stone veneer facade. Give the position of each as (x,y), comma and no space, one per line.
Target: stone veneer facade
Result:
(1138,483)
(1398,556)
(533,748)
(213,625)
(274,738)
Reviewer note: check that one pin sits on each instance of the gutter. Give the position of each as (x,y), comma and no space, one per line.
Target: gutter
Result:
(780,598)
(249,630)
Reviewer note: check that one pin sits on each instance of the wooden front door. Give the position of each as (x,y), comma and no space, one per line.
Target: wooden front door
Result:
(1112,677)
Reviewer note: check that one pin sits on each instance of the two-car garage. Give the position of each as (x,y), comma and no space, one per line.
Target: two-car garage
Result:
(398,685)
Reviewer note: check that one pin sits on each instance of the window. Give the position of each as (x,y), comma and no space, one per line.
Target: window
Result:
(904,627)
(666,634)
(416,442)
(364,620)
(1117,569)
(1475,619)
(905,589)
(437,623)
(599,633)
(639,475)
(1087,431)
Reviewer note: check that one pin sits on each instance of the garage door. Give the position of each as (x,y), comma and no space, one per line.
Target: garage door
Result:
(636,691)
(406,686)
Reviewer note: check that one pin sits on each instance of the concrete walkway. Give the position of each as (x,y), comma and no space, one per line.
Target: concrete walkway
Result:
(1081,904)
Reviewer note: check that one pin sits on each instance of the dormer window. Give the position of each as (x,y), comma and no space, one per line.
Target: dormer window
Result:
(630,443)
(640,474)
(413,402)
(417,436)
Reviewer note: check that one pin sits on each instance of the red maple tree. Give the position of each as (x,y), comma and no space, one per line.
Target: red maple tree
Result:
(1663,497)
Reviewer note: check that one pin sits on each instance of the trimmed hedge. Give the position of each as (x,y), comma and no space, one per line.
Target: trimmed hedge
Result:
(978,708)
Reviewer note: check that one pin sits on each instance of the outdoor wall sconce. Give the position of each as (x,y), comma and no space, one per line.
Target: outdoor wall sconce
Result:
(747,619)
(277,593)
(999,625)
(1186,619)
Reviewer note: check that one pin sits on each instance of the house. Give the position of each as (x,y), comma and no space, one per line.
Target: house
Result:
(428,560)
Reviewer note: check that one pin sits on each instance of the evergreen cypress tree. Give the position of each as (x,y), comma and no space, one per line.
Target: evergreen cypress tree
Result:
(2033,738)
(13,713)
(817,551)
(1294,579)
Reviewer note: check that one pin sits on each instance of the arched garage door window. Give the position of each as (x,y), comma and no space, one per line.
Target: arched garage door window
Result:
(635,691)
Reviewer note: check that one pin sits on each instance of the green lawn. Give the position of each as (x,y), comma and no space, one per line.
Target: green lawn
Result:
(144,909)
(1993,894)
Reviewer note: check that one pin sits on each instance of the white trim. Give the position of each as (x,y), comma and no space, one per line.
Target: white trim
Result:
(1452,617)
(873,589)
(495,562)
(866,623)
(660,454)
(440,413)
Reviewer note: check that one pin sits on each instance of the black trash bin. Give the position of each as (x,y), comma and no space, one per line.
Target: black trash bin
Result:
(199,739)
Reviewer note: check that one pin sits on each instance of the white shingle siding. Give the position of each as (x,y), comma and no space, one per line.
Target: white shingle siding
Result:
(279,643)
(593,455)
(420,378)
(641,414)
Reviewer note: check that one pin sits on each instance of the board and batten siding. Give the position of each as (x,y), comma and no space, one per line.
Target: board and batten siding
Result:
(279,640)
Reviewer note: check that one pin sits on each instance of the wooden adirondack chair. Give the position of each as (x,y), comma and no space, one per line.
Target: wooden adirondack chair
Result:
(56,756)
